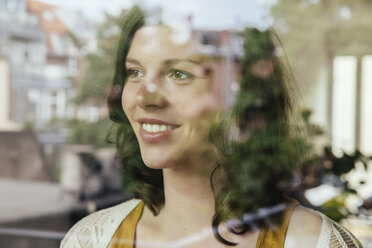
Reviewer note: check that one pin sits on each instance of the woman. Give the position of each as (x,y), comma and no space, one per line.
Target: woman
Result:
(196,165)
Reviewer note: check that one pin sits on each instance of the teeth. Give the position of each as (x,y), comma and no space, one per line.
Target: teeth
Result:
(163,128)
(154,128)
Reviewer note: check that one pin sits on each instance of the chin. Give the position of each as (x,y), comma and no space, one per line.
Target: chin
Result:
(156,162)
(160,157)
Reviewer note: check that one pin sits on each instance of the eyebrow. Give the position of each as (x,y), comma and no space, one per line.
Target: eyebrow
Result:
(168,62)
(133,61)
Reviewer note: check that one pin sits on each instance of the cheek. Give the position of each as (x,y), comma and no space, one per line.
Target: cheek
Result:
(128,100)
(199,104)
(198,111)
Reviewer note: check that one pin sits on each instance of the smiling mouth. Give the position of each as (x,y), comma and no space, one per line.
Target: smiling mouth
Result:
(153,131)
(155,128)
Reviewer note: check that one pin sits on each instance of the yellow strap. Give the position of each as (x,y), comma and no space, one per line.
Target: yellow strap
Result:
(274,237)
(125,234)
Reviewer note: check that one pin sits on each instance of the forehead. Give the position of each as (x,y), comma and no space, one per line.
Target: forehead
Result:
(162,41)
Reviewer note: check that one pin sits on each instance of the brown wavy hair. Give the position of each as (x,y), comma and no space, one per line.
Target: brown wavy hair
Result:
(257,162)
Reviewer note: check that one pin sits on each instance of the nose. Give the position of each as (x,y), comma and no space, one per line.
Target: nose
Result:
(150,94)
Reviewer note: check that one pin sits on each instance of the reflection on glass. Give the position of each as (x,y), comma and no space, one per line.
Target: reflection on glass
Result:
(204,173)
(208,138)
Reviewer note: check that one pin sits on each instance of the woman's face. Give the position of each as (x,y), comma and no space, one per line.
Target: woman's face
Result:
(171,97)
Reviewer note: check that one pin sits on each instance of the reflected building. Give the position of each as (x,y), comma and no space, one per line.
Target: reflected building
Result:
(228,46)
(39,57)
(22,47)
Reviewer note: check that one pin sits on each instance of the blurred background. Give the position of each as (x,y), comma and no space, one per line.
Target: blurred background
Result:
(56,66)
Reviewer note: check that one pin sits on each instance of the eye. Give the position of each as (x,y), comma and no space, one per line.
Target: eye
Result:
(134,74)
(179,75)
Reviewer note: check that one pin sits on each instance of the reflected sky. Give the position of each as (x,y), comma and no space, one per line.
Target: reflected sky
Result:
(206,14)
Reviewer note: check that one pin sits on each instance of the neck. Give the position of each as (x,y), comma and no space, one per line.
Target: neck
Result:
(189,197)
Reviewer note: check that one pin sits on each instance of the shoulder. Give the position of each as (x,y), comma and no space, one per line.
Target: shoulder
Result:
(309,228)
(96,230)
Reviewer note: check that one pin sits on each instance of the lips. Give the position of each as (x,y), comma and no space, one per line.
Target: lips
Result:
(154,130)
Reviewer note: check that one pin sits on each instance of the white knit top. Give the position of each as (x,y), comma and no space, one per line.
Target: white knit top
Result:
(97,229)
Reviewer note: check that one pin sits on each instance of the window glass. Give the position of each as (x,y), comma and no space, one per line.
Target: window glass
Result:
(185,123)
